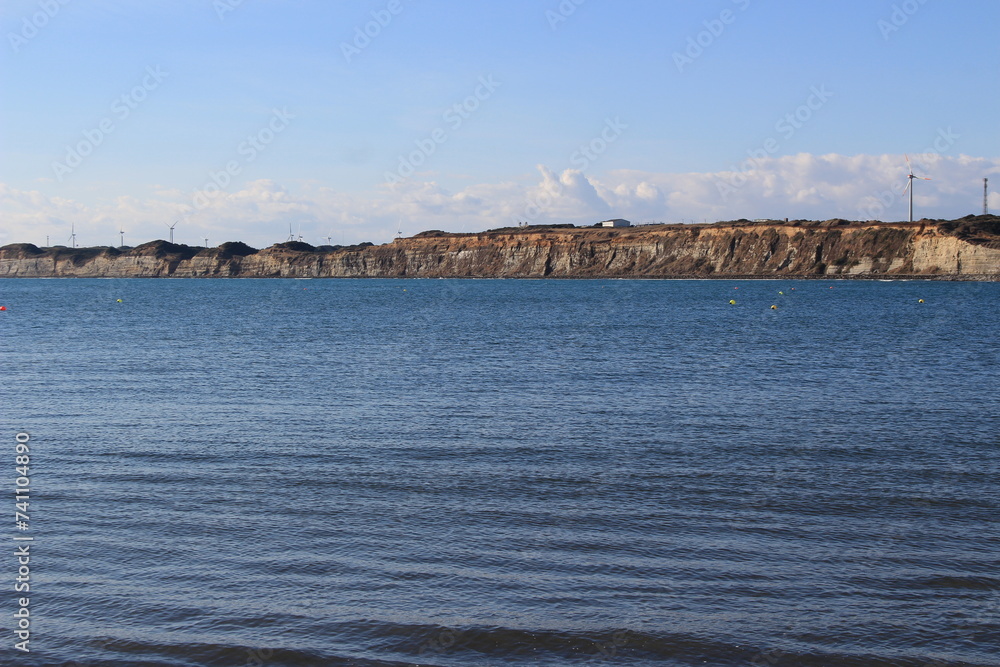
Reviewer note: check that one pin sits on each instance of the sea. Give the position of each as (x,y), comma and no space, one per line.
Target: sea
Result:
(466,473)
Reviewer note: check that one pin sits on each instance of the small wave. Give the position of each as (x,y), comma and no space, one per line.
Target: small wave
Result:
(964,583)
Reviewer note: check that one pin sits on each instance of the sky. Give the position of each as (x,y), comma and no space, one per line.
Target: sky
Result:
(257,120)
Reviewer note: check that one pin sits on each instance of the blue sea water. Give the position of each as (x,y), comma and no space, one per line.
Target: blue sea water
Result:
(472,473)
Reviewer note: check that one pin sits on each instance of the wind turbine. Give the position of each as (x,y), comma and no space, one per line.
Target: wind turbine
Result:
(291,236)
(399,229)
(909,184)
(171,227)
(72,235)
(121,232)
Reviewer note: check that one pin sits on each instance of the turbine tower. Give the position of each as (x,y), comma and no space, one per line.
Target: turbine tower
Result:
(986,196)
(72,235)
(171,227)
(121,233)
(909,184)
(291,236)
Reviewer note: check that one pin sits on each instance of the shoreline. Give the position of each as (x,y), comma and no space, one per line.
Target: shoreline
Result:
(964,278)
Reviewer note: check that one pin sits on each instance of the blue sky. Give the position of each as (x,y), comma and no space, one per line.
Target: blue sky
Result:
(782,110)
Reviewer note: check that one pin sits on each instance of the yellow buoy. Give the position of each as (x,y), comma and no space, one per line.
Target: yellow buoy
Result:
(119,300)
(921,301)
(774,308)
(732,302)
(781,293)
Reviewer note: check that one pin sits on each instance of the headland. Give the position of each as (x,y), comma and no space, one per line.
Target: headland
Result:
(963,249)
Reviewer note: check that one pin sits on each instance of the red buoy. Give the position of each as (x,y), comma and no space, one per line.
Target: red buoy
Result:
(3,307)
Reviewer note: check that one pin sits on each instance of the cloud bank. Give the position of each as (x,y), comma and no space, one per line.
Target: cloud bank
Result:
(261,212)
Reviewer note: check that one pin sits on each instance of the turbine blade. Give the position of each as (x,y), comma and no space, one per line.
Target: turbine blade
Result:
(908,183)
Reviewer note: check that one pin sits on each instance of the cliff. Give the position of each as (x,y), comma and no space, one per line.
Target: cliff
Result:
(966,249)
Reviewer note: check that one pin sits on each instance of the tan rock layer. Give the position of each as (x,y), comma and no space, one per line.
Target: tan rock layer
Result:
(742,249)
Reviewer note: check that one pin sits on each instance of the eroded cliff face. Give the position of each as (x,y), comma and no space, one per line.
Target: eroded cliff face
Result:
(966,249)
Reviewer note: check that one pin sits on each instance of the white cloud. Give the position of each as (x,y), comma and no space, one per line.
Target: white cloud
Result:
(796,186)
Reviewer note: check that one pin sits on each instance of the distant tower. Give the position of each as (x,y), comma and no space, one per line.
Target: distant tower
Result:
(986,196)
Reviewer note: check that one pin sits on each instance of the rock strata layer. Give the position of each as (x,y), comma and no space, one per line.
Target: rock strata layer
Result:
(966,249)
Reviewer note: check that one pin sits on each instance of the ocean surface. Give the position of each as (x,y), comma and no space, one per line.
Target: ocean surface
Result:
(473,473)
